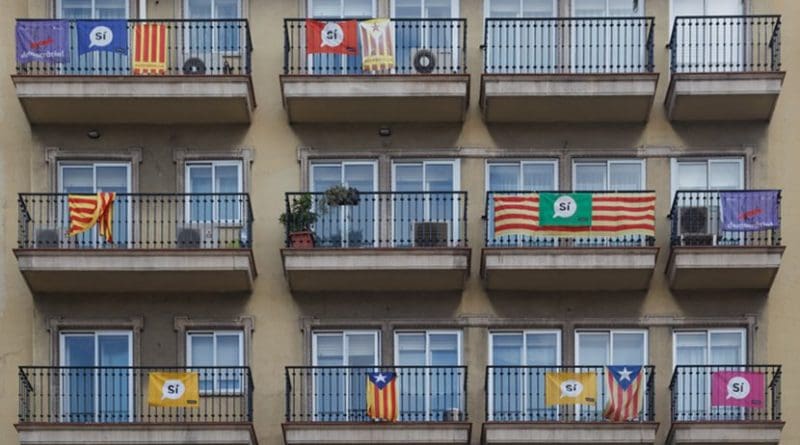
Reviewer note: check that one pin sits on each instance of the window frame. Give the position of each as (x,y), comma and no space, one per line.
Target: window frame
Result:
(427,333)
(214,333)
(343,333)
(708,161)
(520,163)
(59,10)
(608,162)
(708,331)
(341,163)
(454,8)
(611,332)
(487,9)
(239,9)
(524,333)
(310,5)
(215,220)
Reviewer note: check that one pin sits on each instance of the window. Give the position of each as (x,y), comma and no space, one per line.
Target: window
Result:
(608,175)
(435,35)
(219,36)
(522,176)
(215,188)
(517,376)
(218,357)
(708,174)
(603,46)
(94,388)
(432,385)
(522,47)
(93,62)
(350,225)
(338,9)
(92,9)
(340,387)
(425,210)
(706,45)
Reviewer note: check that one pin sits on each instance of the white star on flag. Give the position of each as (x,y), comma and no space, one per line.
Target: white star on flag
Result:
(624,374)
(380,378)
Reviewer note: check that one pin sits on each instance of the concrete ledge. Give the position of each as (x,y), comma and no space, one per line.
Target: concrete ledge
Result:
(320,433)
(135,99)
(567,97)
(568,269)
(723,267)
(135,434)
(134,270)
(568,433)
(723,96)
(739,433)
(390,269)
(375,98)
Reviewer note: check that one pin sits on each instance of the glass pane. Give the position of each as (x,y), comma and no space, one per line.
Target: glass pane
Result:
(625,8)
(725,175)
(227,9)
(79,383)
(76,9)
(723,7)
(628,349)
(357,8)
(690,348)
(687,7)
(538,177)
(593,349)
(590,177)
(541,350)
(504,177)
(330,385)
(361,350)
(439,178)
(114,383)
(590,8)
(625,176)
(507,383)
(411,350)
(409,208)
(110,9)
(507,349)
(202,349)
(330,350)
(200,181)
(504,8)
(227,180)
(445,386)
(692,176)
(726,348)
(537,8)
(444,349)
(199,9)
(77,179)
(408,8)
(360,219)
(438,9)
(228,354)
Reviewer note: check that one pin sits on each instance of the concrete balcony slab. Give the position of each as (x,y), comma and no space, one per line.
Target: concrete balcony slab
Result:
(723,267)
(723,96)
(320,433)
(719,433)
(137,434)
(568,433)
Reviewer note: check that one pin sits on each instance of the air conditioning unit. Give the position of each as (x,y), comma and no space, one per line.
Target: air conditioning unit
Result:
(431,234)
(194,66)
(693,226)
(453,415)
(197,236)
(47,239)
(432,60)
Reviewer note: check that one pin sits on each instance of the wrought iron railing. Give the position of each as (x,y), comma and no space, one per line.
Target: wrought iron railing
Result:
(192,47)
(519,394)
(612,223)
(726,393)
(339,393)
(712,44)
(113,394)
(726,218)
(601,45)
(420,46)
(384,219)
(141,221)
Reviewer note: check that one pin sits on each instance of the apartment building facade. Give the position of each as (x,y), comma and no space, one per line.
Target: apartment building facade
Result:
(214,121)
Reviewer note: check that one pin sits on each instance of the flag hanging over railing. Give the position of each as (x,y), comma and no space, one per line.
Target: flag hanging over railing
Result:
(749,211)
(377,45)
(624,385)
(173,389)
(575,214)
(87,210)
(149,48)
(568,388)
(382,396)
(738,388)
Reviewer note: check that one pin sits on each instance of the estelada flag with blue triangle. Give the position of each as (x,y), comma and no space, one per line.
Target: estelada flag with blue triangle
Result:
(382,396)
(624,393)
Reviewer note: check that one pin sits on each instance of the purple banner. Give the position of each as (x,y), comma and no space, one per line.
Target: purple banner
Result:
(43,41)
(749,211)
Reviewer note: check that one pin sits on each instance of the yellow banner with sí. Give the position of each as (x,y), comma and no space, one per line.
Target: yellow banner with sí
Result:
(173,389)
(570,388)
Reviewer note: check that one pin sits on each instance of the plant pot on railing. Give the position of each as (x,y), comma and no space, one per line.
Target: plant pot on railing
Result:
(298,219)
(339,195)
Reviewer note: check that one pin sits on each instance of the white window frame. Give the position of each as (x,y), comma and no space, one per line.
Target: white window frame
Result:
(608,163)
(64,396)
(520,163)
(517,38)
(487,9)
(610,353)
(215,219)
(310,11)
(454,4)
(60,9)
(239,8)
(708,161)
(743,3)
(215,376)
(214,50)
(741,331)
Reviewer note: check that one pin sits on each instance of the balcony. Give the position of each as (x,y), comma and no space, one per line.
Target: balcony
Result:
(164,242)
(201,75)
(724,68)
(110,405)
(725,240)
(527,250)
(578,70)
(726,404)
(428,82)
(518,412)
(327,405)
(384,241)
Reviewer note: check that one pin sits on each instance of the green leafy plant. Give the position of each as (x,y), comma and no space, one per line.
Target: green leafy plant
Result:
(300,217)
(339,195)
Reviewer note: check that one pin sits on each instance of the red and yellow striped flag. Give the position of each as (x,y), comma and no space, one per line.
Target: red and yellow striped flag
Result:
(377,44)
(611,214)
(382,396)
(149,48)
(87,210)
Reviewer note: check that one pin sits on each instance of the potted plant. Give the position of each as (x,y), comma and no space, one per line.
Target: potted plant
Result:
(339,195)
(298,221)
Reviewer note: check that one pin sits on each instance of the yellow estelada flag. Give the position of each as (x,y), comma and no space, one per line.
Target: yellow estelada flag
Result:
(173,389)
(570,388)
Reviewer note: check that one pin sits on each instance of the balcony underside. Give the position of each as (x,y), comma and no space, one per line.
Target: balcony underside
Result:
(567,97)
(704,268)
(135,99)
(402,269)
(375,98)
(137,434)
(568,269)
(719,433)
(129,271)
(568,433)
(376,433)
(723,96)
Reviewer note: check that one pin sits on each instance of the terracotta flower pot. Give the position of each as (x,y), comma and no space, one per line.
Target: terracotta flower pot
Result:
(302,240)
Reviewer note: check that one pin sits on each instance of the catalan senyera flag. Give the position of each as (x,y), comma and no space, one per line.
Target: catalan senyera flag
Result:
(87,210)
(377,44)
(173,389)
(575,214)
(149,48)
(570,388)
(382,396)
(624,385)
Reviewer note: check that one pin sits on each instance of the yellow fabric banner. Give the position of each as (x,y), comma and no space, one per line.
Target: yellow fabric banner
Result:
(571,388)
(173,389)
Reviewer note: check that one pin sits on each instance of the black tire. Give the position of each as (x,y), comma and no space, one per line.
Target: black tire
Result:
(424,61)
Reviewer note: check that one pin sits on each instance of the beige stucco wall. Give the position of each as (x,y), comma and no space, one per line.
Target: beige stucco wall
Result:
(279,338)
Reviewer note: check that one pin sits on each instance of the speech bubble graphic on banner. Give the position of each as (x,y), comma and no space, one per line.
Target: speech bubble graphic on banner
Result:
(172,389)
(100,36)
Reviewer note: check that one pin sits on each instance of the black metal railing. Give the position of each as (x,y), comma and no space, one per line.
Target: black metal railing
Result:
(442,42)
(193,47)
(712,44)
(727,393)
(726,218)
(385,219)
(601,234)
(112,394)
(569,45)
(518,394)
(141,221)
(339,393)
